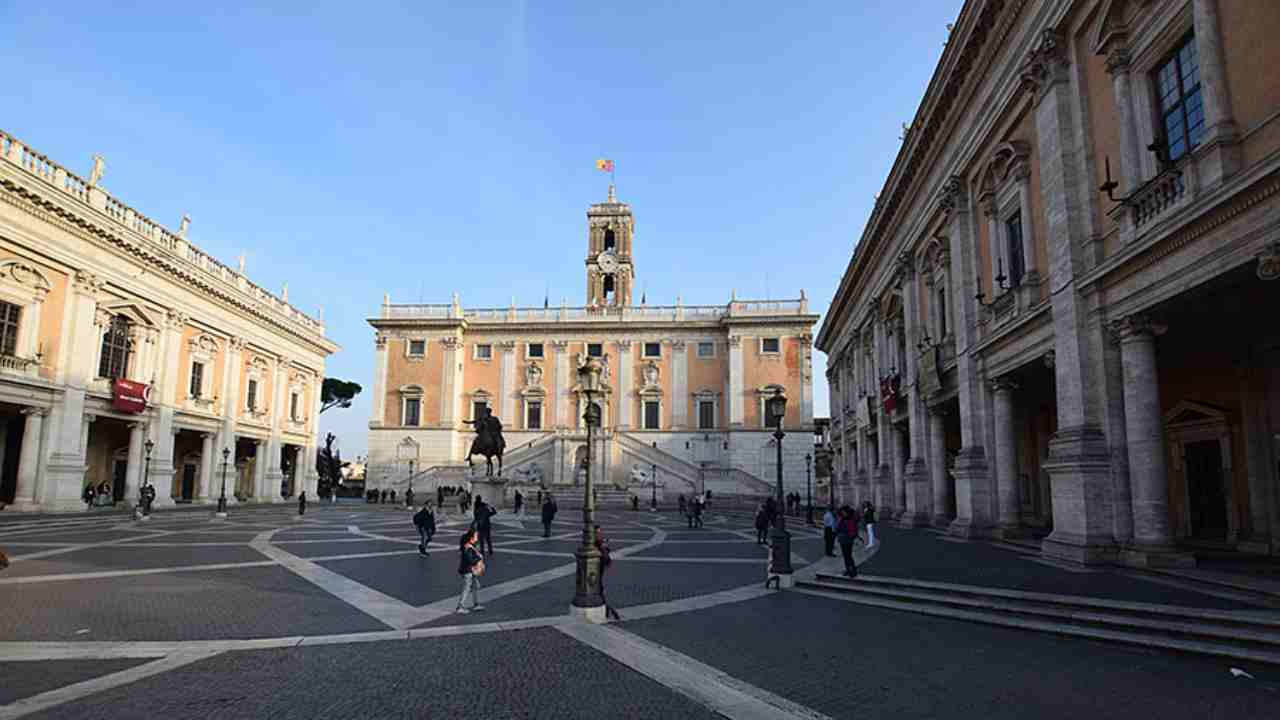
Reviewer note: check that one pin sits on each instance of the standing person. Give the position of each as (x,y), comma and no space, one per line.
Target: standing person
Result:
(869,517)
(425,521)
(846,531)
(483,526)
(408,497)
(105,494)
(681,503)
(602,546)
(519,503)
(697,512)
(539,498)
(302,503)
(762,525)
(635,503)
(470,567)
(548,514)
(440,496)
(829,531)
(393,497)
(693,508)
(771,510)
(462,504)
(89,495)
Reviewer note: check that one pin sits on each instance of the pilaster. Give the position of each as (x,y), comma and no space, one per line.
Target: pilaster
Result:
(679,385)
(625,405)
(1220,155)
(736,398)
(507,382)
(1006,457)
(564,387)
(379,380)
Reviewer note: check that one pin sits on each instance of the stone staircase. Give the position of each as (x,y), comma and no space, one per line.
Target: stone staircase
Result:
(1245,636)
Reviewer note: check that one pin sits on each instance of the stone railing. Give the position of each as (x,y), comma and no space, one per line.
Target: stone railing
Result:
(138,225)
(635,313)
(1156,196)
(13,363)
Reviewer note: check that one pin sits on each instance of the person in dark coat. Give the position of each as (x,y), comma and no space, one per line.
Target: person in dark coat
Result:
(682,505)
(89,495)
(771,510)
(869,517)
(762,525)
(483,526)
(519,503)
(470,567)
(846,531)
(829,523)
(302,502)
(425,521)
(697,512)
(606,559)
(548,514)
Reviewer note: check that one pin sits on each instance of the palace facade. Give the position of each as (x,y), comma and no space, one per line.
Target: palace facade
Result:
(127,355)
(1057,322)
(684,386)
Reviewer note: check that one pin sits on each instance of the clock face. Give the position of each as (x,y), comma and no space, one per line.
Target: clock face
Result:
(608,262)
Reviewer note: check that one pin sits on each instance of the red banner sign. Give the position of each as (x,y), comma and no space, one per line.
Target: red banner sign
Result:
(128,396)
(889,392)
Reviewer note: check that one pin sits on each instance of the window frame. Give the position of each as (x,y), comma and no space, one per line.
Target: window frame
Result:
(542,350)
(529,414)
(644,350)
(405,399)
(697,350)
(251,394)
(702,403)
(475,402)
(1013,246)
(10,330)
(475,352)
(295,403)
(408,348)
(644,413)
(1174,59)
(777,339)
(599,353)
(195,381)
(120,326)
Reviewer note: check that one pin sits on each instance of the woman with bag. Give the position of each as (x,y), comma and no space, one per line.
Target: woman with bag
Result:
(846,531)
(606,559)
(470,567)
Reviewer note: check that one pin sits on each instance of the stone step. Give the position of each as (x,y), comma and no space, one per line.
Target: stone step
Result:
(1242,635)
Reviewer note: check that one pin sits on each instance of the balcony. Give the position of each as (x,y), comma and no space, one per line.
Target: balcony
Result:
(14,365)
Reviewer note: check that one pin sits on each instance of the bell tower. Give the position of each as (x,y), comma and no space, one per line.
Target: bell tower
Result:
(610,269)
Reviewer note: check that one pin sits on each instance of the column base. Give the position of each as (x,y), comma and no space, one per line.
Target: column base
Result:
(970,530)
(1079,468)
(916,479)
(1254,545)
(1073,548)
(942,521)
(975,488)
(596,614)
(1010,532)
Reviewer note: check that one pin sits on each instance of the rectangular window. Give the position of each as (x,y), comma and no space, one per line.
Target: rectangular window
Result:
(417,348)
(115,349)
(293,406)
(197,380)
(942,313)
(412,411)
(1177,82)
(706,349)
(9,314)
(651,414)
(770,345)
(595,350)
(1013,239)
(477,408)
(533,411)
(251,395)
(653,350)
(535,350)
(484,352)
(706,415)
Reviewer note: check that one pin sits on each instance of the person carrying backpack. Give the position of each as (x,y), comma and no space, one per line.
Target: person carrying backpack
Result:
(548,514)
(425,521)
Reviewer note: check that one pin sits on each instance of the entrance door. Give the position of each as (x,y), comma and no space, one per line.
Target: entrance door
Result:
(1206,493)
(118,471)
(188,481)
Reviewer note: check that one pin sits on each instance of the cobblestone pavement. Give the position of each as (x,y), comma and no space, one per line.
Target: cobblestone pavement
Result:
(335,614)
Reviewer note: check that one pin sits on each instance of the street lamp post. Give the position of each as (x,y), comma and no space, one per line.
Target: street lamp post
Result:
(780,539)
(146,479)
(587,601)
(831,480)
(808,486)
(408,497)
(222,495)
(653,479)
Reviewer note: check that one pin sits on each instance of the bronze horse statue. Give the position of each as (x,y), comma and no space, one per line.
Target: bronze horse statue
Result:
(488,442)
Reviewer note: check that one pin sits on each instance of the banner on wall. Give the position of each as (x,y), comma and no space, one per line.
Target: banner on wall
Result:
(128,396)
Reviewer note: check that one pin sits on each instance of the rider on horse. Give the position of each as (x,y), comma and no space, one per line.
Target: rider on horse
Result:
(489,441)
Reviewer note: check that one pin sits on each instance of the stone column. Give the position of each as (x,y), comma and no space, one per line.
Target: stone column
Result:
(735,394)
(507,383)
(988,204)
(231,390)
(938,468)
(563,396)
(1253,413)
(133,472)
(84,433)
(626,405)
(915,474)
(679,385)
(1221,138)
(28,485)
(449,391)
(972,472)
(206,485)
(1079,461)
(261,492)
(806,379)
(380,342)
(1117,443)
(1006,466)
(1130,171)
(1152,531)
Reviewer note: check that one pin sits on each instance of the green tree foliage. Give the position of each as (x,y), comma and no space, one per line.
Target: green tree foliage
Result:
(337,393)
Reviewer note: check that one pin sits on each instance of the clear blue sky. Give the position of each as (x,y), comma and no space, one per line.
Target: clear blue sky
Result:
(426,148)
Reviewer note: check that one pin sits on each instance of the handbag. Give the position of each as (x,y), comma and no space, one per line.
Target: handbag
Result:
(478,568)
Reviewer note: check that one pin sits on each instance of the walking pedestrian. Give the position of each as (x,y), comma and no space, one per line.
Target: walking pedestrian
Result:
(762,525)
(302,503)
(425,521)
(519,503)
(682,505)
(829,531)
(483,526)
(602,547)
(539,498)
(393,497)
(869,517)
(693,508)
(470,567)
(846,531)
(697,512)
(548,514)
(408,497)
(440,496)
(89,495)
(771,510)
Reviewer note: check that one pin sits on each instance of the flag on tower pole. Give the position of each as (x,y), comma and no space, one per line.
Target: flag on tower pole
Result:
(607,166)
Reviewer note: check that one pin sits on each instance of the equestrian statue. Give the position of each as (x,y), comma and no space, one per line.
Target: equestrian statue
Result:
(488,442)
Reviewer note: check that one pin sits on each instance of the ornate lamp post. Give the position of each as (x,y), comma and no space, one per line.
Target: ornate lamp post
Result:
(146,479)
(653,479)
(780,539)
(808,486)
(831,480)
(222,496)
(587,601)
(408,498)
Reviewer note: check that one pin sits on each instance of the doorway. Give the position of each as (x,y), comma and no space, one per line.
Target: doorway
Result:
(119,471)
(188,481)
(1205,489)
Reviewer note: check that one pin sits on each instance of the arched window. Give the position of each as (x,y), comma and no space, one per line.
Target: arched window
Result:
(610,242)
(115,349)
(608,288)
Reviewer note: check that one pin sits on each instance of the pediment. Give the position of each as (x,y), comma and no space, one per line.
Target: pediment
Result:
(1189,412)
(132,310)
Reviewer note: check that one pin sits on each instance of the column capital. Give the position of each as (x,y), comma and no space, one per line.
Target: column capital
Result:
(1118,60)
(35,410)
(176,319)
(507,346)
(624,347)
(87,283)
(678,345)
(237,344)
(90,417)
(1269,262)
(987,204)
(954,195)
(562,345)
(1045,66)
(1002,384)
(451,343)
(735,341)
(380,340)
(1136,327)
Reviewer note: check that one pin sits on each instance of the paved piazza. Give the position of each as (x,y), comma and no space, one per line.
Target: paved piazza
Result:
(267,615)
